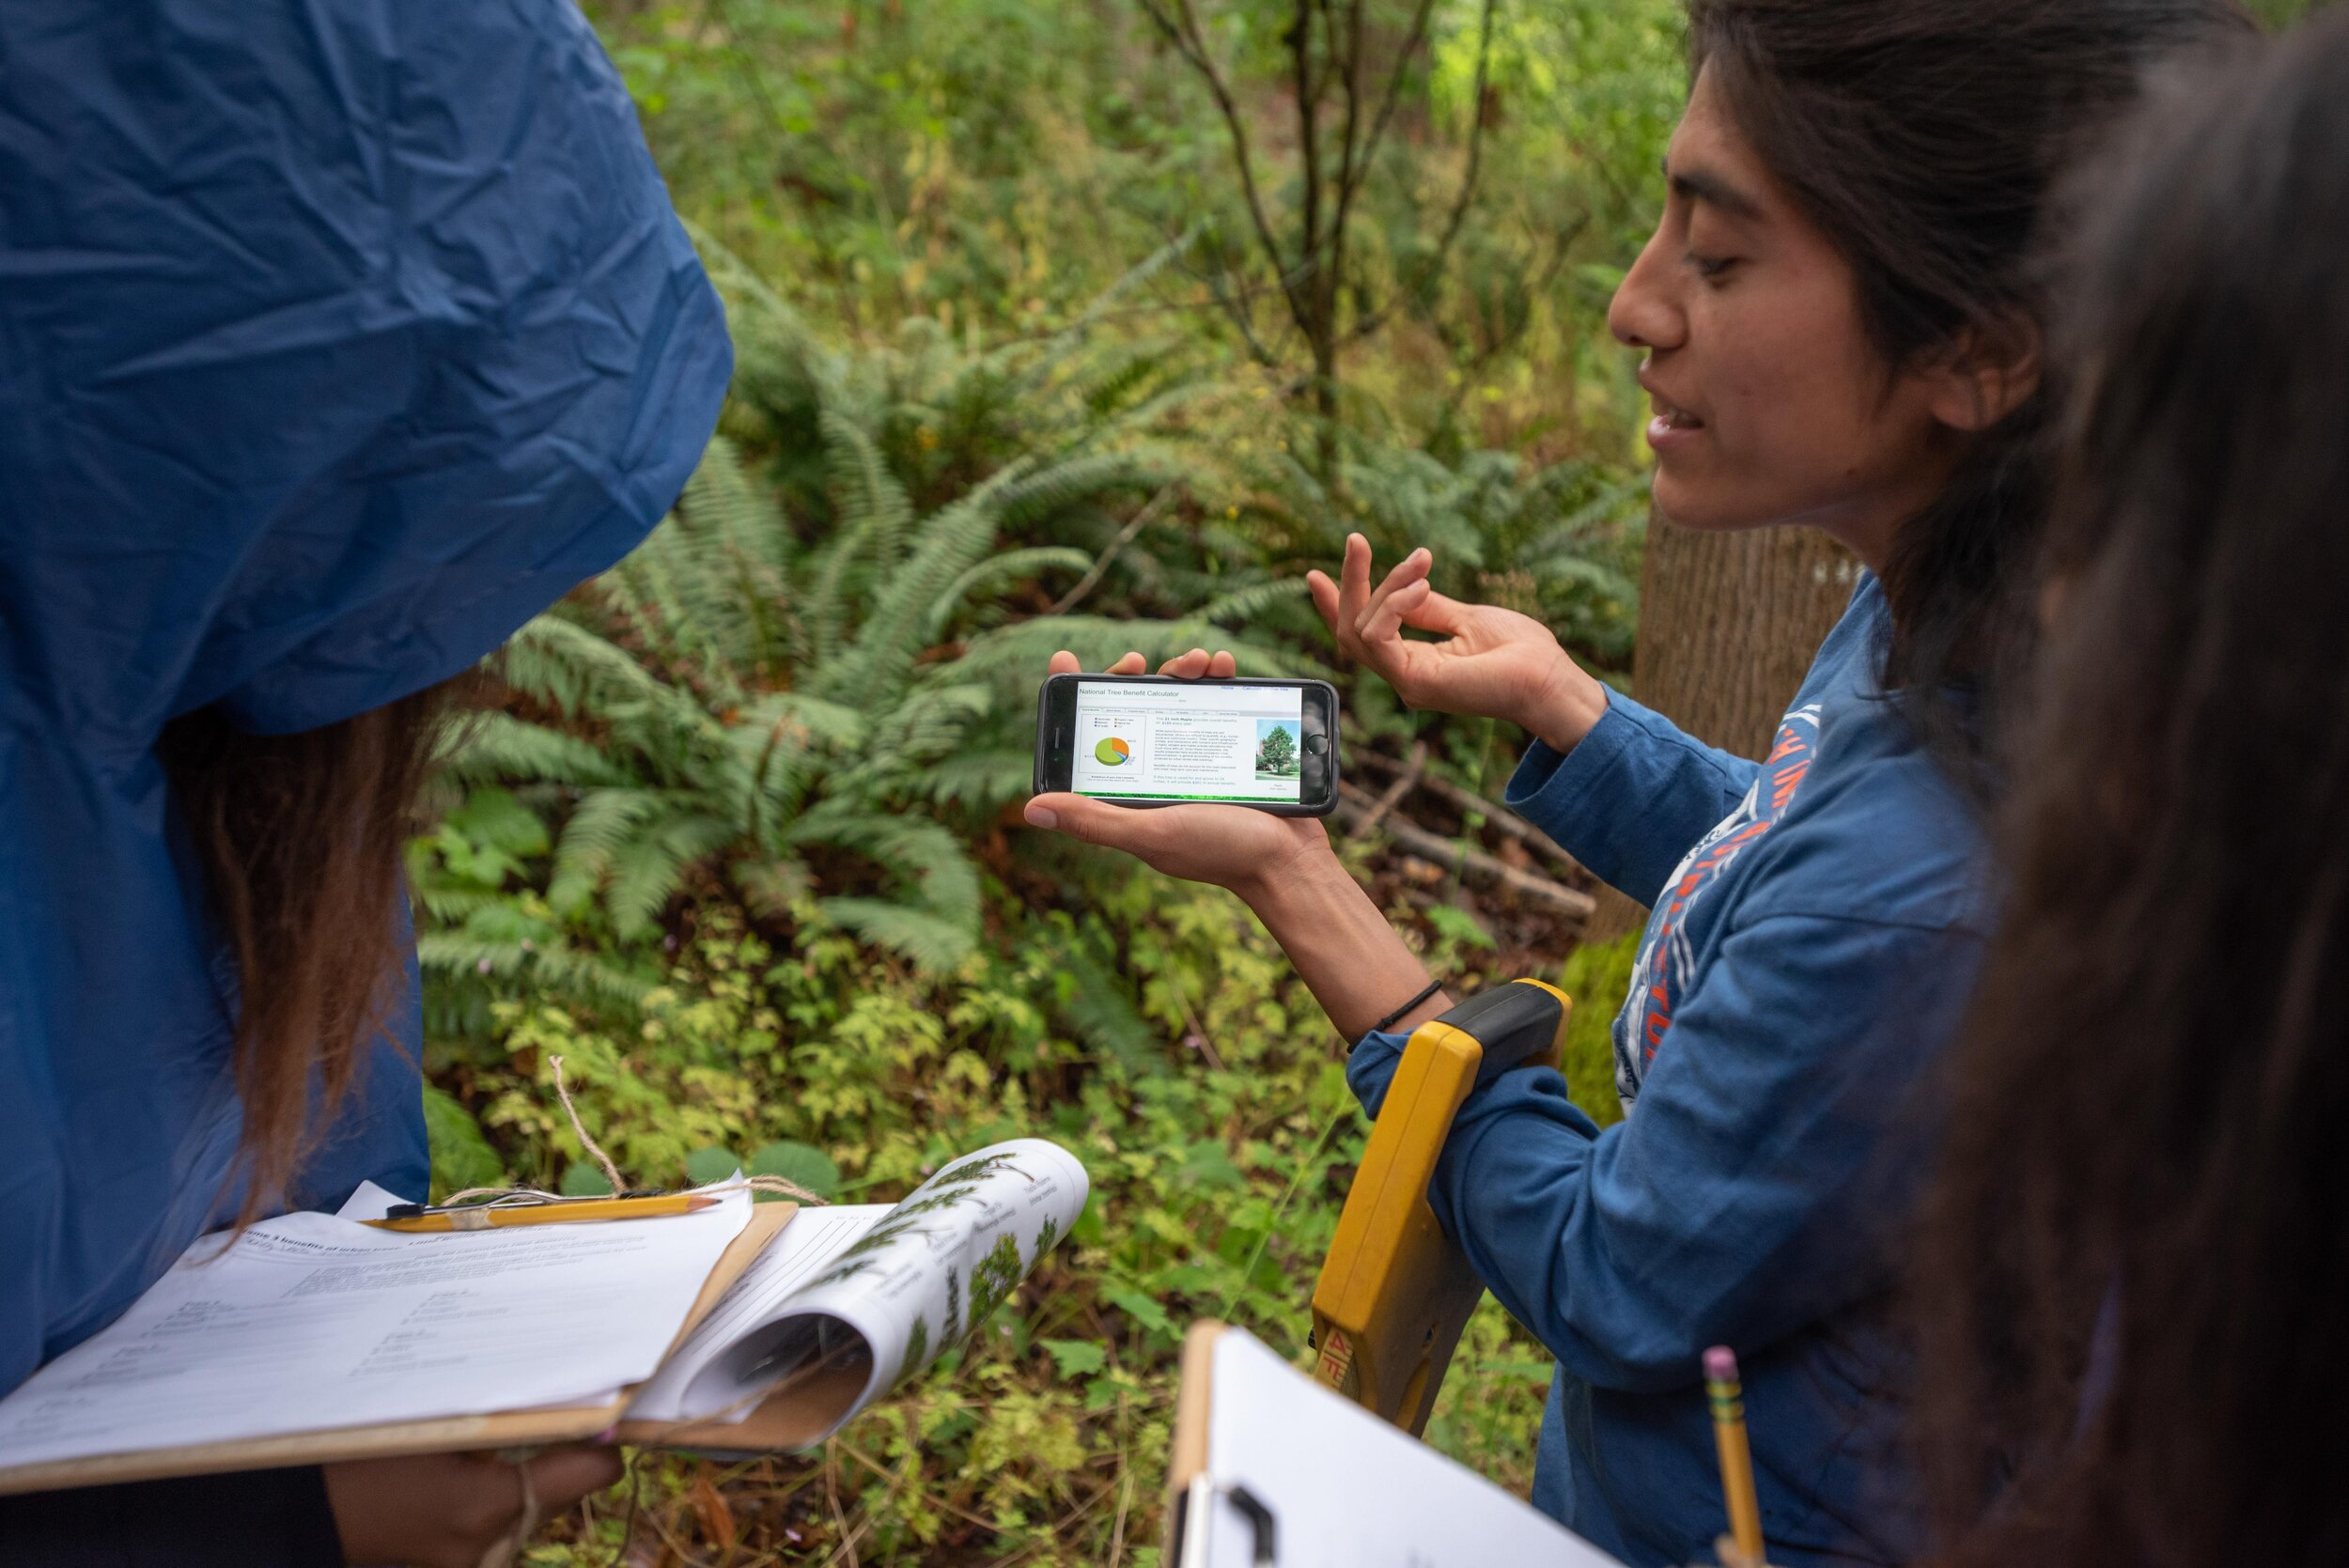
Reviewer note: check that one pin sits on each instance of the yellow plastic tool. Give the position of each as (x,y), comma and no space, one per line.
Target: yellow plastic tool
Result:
(1395,1291)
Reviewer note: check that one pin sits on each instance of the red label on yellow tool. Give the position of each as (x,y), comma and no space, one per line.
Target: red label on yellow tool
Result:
(1336,1366)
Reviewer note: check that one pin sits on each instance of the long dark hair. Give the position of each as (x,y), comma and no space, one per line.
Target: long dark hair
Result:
(301,838)
(2135,1275)
(1921,137)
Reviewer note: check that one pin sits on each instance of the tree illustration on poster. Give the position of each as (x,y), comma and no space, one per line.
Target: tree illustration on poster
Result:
(993,1280)
(917,1349)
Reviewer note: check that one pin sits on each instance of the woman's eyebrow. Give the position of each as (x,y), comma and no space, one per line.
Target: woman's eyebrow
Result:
(1706,186)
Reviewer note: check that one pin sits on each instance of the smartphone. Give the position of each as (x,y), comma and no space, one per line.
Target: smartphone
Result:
(1154,740)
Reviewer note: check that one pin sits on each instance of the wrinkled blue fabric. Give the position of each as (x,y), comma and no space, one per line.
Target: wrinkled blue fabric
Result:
(335,341)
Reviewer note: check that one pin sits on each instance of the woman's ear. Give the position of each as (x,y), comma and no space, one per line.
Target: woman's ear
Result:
(1986,374)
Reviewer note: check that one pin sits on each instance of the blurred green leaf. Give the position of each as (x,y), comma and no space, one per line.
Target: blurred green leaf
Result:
(802,1163)
(461,1156)
(583,1180)
(705,1166)
(1077,1358)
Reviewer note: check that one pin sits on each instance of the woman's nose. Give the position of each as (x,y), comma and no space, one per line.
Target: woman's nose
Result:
(1643,314)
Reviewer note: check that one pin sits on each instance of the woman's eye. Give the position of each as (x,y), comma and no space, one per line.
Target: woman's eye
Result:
(1711,268)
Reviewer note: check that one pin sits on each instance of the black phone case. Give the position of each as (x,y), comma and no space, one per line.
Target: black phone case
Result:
(1040,781)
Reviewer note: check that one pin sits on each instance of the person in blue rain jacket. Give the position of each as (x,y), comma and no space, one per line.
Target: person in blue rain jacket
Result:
(335,342)
(1838,323)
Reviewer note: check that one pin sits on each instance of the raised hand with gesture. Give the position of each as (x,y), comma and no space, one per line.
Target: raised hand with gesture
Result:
(1492,663)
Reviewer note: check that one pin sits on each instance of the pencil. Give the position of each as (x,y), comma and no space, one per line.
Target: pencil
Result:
(485,1216)
(1729,1436)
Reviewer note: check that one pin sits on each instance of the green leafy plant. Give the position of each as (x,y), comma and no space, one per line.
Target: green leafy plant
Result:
(710,760)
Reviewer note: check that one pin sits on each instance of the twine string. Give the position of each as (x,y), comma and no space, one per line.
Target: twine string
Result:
(563,1093)
(502,1552)
(505,1197)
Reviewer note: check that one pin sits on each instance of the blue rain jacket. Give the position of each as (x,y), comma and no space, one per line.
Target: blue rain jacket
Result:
(335,341)
(1816,929)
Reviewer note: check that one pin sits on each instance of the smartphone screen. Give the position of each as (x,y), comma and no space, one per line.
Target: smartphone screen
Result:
(1192,741)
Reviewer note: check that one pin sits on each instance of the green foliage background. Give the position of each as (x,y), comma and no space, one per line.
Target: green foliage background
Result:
(738,835)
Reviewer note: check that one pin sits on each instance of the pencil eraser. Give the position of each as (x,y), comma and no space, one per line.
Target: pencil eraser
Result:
(1719,1365)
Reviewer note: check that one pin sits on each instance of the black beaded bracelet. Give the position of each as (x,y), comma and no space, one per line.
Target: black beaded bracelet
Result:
(1389,1022)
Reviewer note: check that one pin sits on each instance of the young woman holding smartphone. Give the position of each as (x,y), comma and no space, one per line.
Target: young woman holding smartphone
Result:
(339,342)
(1840,331)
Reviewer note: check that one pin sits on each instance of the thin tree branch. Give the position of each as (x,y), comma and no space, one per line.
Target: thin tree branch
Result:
(1348,146)
(1300,43)
(1161,307)
(1230,298)
(1182,28)
(1486,355)
(1411,41)
(1239,318)
(1150,513)
(1467,194)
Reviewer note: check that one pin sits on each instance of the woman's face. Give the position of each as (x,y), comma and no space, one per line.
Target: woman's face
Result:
(1770,404)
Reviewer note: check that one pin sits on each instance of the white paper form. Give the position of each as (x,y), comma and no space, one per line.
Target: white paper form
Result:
(1345,1489)
(813,1238)
(310,1322)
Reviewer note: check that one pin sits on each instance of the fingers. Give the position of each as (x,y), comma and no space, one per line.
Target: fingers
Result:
(1367,622)
(1408,573)
(1353,588)
(1429,610)
(445,1510)
(561,1477)
(1091,821)
(1381,626)
(1199,664)
(1324,592)
(1193,665)
(1189,665)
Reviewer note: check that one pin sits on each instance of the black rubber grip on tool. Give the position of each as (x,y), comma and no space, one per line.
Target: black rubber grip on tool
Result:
(1516,1024)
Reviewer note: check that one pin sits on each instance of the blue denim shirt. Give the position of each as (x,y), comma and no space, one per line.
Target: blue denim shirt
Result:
(1816,927)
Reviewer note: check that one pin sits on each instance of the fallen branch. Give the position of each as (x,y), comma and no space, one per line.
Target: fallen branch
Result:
(1404,781)
(1502,820)
(1468,863)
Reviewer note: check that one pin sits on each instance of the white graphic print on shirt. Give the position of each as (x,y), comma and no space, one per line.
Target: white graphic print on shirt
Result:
(1660,969)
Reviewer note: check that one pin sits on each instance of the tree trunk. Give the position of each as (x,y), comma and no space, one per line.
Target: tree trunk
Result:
(1728,625)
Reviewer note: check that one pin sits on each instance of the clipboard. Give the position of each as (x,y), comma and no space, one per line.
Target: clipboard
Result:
(1294,1472)
(785,1419)
(1191,1489)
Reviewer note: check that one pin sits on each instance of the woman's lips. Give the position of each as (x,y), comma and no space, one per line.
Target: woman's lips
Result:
(1671,425)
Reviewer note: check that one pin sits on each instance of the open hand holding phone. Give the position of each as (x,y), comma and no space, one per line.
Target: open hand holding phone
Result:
(1203,837)
(1278,860)
(1171,739)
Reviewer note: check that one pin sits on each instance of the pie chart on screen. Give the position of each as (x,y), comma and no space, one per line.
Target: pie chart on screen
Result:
(1113,753)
